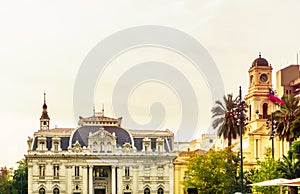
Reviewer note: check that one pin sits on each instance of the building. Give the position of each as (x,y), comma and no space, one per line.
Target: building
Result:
(256,139)
(288,80)
(99,157)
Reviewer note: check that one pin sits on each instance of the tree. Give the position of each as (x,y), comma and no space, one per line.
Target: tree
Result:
(290,164)
(224,121)
(20,177)
(267,169)
(213,172)
(287,117)
(5,183)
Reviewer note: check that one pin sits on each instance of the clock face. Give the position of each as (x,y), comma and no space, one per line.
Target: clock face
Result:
(263,77)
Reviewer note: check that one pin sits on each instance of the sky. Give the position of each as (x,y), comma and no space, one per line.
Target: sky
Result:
(44,43)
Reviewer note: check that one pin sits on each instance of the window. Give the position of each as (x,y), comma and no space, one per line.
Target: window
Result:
(160,171)
(147,191)
(42,145)
(56,191)
(109,147)
(127,171)
(102,150)
(76,171)
(211,141)
(42,191)
(55,146)
(42,171)
(160,191)
(56,171)
(265,110)
(95,147)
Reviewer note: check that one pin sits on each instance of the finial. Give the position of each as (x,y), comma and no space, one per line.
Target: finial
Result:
(94,110)
(44,97)
(259,54)
(103,109)
(297,59)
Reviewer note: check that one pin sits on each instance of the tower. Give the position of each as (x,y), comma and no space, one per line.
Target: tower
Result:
(260,81)
(44,120)
(256,139)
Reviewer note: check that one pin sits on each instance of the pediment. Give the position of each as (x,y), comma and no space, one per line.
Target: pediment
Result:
(102,135)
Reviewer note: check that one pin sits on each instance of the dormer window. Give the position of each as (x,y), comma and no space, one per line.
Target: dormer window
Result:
(146,144)
(42,143)
(159,144)
(56,144)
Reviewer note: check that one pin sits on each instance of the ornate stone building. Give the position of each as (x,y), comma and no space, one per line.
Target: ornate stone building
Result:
(257,137)
(99,157)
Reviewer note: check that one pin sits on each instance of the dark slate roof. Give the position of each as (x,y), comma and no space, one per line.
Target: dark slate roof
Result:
(64,142)
(81,134)
(260,62)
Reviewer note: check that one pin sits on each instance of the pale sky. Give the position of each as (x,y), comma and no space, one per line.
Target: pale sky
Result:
(43,44)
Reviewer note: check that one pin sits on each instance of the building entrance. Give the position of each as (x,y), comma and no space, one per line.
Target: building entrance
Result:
(100,191)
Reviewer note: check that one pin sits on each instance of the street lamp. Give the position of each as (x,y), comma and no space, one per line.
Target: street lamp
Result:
(240,115)
(271,123)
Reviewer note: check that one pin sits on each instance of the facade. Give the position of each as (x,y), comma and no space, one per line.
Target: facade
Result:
(99,157)
(288,80)
(257,137)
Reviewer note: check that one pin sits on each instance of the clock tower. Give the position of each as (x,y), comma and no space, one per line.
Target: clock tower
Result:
(260,81)
(256,139)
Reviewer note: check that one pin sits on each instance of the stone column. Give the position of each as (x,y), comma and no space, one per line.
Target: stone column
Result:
(84,180)
(113,179)
(171,169)
(69,178)
(30,175)
(120,180)
(91,179)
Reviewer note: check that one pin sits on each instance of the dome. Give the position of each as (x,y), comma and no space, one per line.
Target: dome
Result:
(260,62)
(81,134)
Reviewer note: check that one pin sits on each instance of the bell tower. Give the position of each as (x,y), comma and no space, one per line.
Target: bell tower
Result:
(257,99)
(44,120)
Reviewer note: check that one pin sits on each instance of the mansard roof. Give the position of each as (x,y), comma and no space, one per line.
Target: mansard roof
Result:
(81,134)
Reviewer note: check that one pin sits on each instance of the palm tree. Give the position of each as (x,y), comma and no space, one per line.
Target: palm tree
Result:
(290,165)
(224,120)
(288,126)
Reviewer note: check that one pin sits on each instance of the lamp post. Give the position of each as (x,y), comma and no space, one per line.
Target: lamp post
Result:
(272,133)
(240,115)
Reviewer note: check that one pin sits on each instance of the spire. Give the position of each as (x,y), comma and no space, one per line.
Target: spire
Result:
(45,105)
(259,54)
(44,120)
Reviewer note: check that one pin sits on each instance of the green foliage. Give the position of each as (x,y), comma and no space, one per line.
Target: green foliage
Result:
(5,182)
(287,117)
(213,172)
(20,177)
(267,170)
(224,121)
(290,164)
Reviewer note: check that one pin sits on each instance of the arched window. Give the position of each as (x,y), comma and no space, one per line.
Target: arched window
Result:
(147,191)
(265,110)
(109,147)
(160,191)
(102,150)
(42,191)
(56,191)
(95,150)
